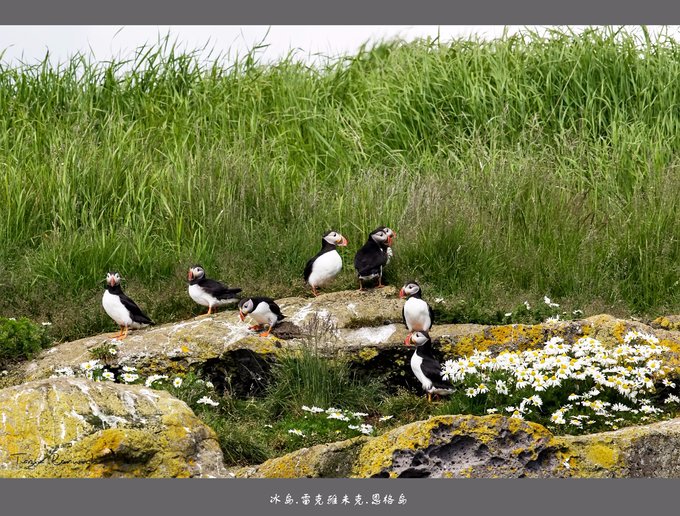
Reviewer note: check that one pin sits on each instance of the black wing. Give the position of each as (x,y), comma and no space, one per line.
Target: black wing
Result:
(272,306)
(403,314)
(136,313)
(433,370)
(369,259)
(217,289)
(429,309)
(308,267)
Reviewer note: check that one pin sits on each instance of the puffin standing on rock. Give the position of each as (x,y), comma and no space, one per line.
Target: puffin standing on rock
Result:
(373,256)
(123,310)
(426,368)
(418,315)
(263,310)
(209,292)
(327,264)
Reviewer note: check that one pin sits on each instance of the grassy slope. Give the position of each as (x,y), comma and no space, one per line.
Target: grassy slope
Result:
(509,169)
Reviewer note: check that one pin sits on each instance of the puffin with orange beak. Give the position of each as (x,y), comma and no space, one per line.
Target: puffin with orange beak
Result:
(263,310)
(123,310)
(417,314)
(426,368)
(209,292)
(391,235)
(373,256)
(327,263)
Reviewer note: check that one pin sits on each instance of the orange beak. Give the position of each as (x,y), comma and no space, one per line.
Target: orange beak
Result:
(389,241)
(112,282)
(407,341)
(190,276)
(241,316)
(401,292)
(343,242)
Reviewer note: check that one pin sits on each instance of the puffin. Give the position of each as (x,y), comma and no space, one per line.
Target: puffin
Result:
(123,310)
(327,263)
(426,368)
(263,310)
(392,235)
(417,314)
(209,292)
(372,257)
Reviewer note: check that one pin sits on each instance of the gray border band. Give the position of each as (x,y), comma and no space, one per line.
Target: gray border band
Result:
(295,12)
(253,496)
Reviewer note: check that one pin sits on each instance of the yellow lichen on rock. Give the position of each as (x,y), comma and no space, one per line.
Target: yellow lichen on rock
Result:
(602,455)
(321,461)
(377,454)
(67,427)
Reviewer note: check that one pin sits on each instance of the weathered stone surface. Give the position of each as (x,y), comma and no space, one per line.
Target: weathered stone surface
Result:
(69,427)
(333,460)
(637,451)
(365,325)
(460,446)
(488,447)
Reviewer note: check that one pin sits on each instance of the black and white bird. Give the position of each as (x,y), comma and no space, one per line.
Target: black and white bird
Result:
(209,292)
(417,314)
(372,257)
(123,310)
(391,234)
(327,264)
(426,368)
(263,310)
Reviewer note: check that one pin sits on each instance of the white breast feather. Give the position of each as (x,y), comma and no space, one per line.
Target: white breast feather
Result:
(417,315)
(116,310)
(263,315)
(325,268)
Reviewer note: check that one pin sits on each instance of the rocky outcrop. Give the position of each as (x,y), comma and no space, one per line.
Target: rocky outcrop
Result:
(67,427)
(488,447)
(366,326)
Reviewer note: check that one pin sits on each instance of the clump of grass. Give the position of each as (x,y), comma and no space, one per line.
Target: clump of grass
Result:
(524,313)
(105,352)
(317,376)
(21,339)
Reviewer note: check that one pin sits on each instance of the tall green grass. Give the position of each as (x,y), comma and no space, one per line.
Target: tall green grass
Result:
(511,168)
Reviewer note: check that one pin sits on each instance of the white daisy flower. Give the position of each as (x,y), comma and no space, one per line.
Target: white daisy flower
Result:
(92,365)
(129,377)
(205,400)
(366,429)
(154,378)
(337,415)
(177,382)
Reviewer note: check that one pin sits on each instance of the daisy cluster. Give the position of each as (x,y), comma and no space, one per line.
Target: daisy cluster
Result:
(96,371)
(354,419)
(571,386)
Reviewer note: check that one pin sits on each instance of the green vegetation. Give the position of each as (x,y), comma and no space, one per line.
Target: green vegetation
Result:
(318,376)
(21,339)
(514,168)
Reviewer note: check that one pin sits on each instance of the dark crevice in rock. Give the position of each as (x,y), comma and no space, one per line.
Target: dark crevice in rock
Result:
(241,372)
